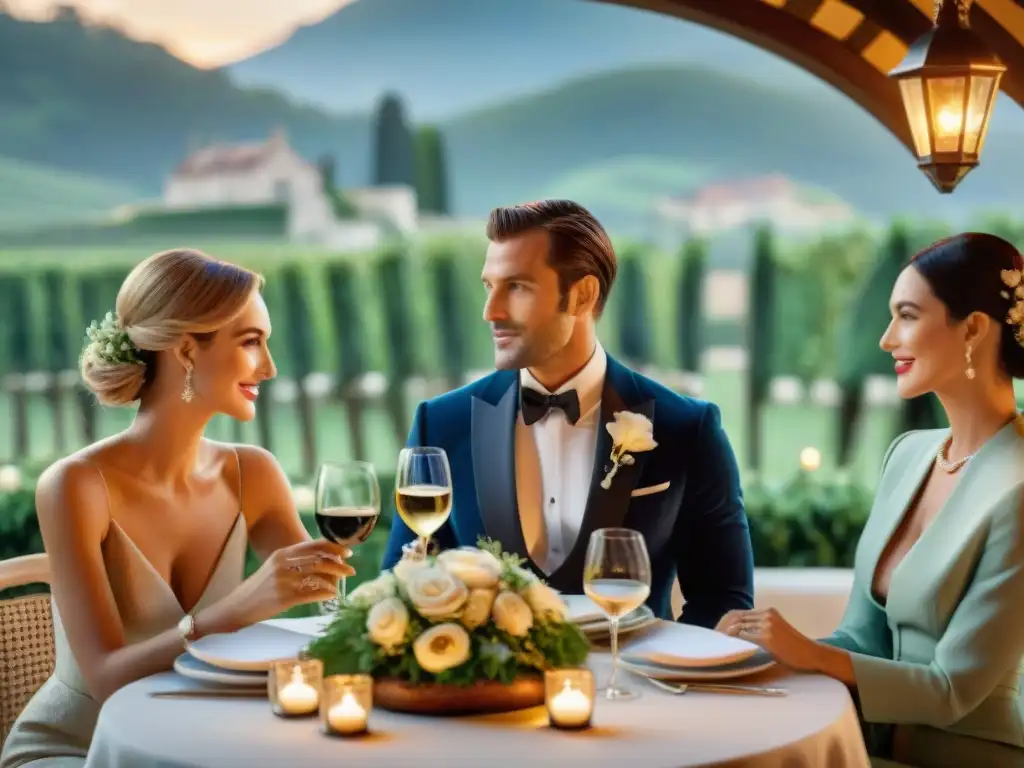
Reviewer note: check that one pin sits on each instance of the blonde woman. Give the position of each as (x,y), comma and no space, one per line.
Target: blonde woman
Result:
(147,530)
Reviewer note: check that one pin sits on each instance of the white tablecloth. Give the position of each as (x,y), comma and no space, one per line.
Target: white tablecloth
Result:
(815,726)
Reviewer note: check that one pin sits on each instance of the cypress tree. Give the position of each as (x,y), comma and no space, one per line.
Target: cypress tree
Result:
(760,339)
(634,326)
(394,157)
(431,171)
(689,307)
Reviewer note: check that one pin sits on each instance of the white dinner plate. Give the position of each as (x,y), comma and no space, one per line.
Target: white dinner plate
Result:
(636,620)
(188,666)
(252,649)
(672,644)
(759,662)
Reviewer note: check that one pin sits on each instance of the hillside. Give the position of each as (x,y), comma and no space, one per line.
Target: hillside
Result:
(452,55)
(721,125)
(33,195)
(89,100)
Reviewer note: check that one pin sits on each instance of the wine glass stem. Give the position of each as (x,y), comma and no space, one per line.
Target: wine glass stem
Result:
(425,545)
(615,655)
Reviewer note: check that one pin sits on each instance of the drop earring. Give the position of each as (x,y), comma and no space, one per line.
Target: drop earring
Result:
(188,393)
(969,371)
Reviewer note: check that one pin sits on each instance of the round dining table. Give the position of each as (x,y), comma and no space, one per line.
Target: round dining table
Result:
(813,726)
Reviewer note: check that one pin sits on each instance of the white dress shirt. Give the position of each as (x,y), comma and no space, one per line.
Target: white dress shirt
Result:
(554,463)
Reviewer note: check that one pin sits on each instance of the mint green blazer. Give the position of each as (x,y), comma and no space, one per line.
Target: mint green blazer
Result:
(943,659)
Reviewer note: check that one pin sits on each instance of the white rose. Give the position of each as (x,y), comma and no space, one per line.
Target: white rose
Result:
(545,602)
(512,614)
(476,568)
(442,647)
(435,593)
(387,622)
(633,431)
(403,568)
(371,592)
(478,608)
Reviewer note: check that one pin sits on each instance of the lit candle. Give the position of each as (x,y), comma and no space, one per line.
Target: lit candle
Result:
(298,697)
(347,717)
(570,707)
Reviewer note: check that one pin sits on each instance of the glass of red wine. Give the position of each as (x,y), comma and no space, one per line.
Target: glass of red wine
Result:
(347,506)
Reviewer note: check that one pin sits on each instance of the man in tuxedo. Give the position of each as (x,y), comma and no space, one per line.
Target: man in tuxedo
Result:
(529,447)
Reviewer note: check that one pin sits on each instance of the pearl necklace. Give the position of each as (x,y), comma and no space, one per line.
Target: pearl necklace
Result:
(949,467)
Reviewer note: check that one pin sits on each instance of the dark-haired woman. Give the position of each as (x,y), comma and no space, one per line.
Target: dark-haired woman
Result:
(932,642)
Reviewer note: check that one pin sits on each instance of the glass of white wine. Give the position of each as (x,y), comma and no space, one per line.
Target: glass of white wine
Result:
(423,491)
(617,577)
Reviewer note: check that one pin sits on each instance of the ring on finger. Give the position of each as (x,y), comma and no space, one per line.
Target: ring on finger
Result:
(309,583)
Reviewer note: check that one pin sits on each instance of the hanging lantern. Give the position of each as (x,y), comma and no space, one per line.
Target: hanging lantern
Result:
(949,80)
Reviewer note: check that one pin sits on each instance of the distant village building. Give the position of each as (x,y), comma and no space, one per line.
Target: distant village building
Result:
(774,199)
(243,174)
(273,173)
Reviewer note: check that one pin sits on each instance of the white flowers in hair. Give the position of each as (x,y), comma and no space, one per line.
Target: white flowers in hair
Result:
(109,341)
(631,433)
(1014,279)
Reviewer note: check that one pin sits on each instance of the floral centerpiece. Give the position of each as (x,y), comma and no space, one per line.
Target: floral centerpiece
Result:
(469,618)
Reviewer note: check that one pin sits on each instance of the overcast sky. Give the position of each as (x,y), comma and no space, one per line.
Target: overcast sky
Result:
(205,32)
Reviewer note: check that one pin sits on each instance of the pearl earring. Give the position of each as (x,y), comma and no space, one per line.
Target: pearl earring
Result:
(969,372)
(188,393)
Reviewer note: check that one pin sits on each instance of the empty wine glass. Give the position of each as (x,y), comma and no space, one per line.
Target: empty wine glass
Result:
(347,506)
(423,491)
(617,577)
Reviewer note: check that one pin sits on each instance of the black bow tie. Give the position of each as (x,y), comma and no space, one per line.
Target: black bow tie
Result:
(535,404)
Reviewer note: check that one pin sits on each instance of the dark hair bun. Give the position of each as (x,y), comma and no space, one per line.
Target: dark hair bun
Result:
(966,273)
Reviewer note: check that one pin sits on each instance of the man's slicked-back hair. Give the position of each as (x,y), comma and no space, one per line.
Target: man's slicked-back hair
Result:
(578,244)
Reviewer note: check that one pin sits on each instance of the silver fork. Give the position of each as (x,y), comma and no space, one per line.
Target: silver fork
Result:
(681,688)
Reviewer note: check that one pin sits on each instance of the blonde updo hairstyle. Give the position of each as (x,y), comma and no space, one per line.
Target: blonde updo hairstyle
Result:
(166,297)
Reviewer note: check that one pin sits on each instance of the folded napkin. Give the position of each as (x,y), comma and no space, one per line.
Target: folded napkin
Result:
(684,645)
(313,626)
(583,610)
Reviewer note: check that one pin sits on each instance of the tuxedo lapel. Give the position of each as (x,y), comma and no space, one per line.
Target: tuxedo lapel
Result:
(606,508)
(494,414)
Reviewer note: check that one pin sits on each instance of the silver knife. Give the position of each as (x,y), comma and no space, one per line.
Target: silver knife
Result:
(680,688)
(234,693)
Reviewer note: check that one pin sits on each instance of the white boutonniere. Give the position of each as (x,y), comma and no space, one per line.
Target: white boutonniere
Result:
(631,433)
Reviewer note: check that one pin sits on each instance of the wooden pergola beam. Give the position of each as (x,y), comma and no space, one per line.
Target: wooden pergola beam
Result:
(786,31)
(782,33)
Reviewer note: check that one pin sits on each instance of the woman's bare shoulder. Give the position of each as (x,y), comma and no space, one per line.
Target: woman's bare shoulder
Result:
(262,478)
(74,487)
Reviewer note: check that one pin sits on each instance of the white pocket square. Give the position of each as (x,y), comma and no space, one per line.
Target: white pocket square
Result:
(650,489)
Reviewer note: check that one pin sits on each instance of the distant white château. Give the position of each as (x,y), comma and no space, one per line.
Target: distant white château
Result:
(773,199)
(272,172)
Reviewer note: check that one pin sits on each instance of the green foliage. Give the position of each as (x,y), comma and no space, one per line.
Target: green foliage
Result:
(809,521)
(431,171)
(346,647)
(761,331)
(690,306)
(345,313)
(393,153)
(301,345)
(634,320)
(449,305)
(392,273)
(61,350)
(761,324)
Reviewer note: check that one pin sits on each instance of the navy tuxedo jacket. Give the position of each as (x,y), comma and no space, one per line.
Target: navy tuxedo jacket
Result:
(695,529)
